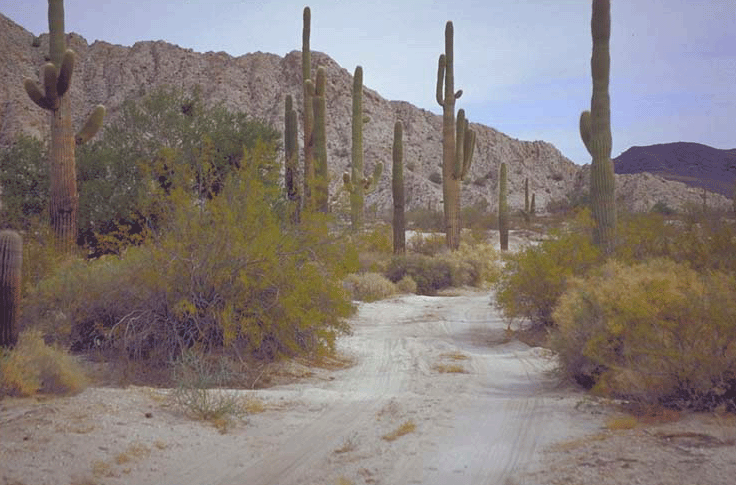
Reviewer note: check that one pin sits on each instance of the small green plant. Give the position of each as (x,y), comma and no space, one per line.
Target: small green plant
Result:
(406,285)
(197,379)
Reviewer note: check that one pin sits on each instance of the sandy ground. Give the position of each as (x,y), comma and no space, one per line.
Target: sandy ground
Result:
(479,407)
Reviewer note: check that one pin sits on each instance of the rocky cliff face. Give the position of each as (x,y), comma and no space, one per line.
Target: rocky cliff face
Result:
(257,84)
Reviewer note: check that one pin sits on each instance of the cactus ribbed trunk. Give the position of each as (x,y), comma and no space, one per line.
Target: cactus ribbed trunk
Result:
(357,189)
(57,74)
(595,130)
(64,200)
(321,183)
(397,188)
(11,258)
(308,110)
(290,167)
(458,141)
(503,209)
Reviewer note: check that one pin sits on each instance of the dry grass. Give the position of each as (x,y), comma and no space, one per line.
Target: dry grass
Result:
(405,428)
(34,367)
(457,355)
(135,452)
(450,369)
(348,444)
(621,422)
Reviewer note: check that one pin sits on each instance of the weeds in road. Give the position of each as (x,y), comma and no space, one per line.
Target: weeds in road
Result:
(348,444)
(406,427)
(450,369)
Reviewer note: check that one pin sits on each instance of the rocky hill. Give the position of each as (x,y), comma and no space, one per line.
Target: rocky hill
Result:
(257,83)
(692,163)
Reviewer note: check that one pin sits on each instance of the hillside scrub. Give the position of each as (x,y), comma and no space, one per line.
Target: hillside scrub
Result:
(657,332)
(224,273)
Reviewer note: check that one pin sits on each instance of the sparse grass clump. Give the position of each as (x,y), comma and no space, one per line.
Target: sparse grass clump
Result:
(656,332)
(369,286)
(33,367)
(405,428)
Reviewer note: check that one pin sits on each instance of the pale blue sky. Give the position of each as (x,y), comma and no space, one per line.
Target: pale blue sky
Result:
(524,65)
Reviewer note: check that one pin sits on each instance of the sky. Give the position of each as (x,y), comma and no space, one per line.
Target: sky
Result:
(523,65)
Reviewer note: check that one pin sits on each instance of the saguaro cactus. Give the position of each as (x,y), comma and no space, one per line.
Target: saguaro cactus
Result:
(290,152)
(321,182)
(397,188)
(595,130)
(57,78)
(503,209)
(308,110)
(458,141)
(356,183)
(11,258)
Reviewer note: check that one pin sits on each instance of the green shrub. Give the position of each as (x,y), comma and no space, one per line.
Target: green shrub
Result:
(533,278)
(24,178)
(476,265)
(225,273)
(406,285)
(430,274)
(369,286)
(655,332)
(427,244)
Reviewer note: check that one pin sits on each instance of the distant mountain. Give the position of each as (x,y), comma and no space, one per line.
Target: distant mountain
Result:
(692,163)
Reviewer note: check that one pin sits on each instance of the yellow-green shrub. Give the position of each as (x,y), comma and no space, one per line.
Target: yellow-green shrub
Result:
(369,286)
(32,367)
(534,278)
(656,332)
(406,285)
(224,273)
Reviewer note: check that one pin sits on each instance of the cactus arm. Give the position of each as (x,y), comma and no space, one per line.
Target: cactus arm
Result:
(585,129)
(57,42)
(34,92)
(459,144)
(65,73)
(92,126)
(50,78)
(469,149)
(440,80)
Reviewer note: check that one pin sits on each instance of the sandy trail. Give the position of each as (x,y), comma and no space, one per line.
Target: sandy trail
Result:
(484,425)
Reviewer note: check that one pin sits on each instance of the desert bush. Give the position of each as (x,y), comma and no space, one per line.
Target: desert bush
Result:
(369,286)
(427,244)
(406,285)
(476,265)
(225,273)
(425,220)
(656,332)
(430,274)
(533,278)
(33,367)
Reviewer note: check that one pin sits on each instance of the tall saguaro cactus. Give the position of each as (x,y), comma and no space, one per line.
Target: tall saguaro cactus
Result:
(11,258)
(321,180)
(308,110)
(57,78)
(595,130)
(397,188)
(503,208)
(458,141)
(355,182)
(290,151)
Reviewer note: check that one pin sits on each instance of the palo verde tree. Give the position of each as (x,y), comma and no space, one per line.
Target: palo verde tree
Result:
(595,130)
(57,78)
(458,142)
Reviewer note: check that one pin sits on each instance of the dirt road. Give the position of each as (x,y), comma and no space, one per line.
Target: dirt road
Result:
(438,395)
